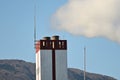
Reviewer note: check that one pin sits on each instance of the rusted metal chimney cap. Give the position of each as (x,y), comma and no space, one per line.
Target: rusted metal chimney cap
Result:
(46,38)
(56,37)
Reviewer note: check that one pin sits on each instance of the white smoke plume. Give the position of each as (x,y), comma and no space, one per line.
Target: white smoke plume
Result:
(90,18)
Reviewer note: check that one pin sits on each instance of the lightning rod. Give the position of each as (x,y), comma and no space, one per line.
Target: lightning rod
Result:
(34,22)
(84,63)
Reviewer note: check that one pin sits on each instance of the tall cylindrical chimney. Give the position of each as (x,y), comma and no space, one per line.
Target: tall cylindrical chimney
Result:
(46,38)
(55,37)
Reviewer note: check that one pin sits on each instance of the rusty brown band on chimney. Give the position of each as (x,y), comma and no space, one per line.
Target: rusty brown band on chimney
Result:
(48,44)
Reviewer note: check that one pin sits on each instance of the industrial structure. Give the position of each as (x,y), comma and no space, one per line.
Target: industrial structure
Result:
(51,59)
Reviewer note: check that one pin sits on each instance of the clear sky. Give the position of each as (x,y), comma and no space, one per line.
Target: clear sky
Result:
(16,37)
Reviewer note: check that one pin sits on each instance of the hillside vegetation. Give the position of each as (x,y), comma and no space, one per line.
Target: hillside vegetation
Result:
(21,70)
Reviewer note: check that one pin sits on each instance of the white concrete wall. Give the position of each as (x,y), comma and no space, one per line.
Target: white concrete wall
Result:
(38,66)
(61,64)
(46,64)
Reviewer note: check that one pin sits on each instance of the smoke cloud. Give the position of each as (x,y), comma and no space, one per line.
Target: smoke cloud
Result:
(90,18)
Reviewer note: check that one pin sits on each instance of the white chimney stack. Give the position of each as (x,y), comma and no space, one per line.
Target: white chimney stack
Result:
(51,59)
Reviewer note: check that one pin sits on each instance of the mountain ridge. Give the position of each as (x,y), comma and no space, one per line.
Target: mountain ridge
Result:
(12,69)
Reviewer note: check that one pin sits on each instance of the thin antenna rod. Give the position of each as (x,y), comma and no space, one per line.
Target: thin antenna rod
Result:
(34,21)
(84,63)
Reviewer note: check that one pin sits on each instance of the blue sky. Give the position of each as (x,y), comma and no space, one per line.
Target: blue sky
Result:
(16,37)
